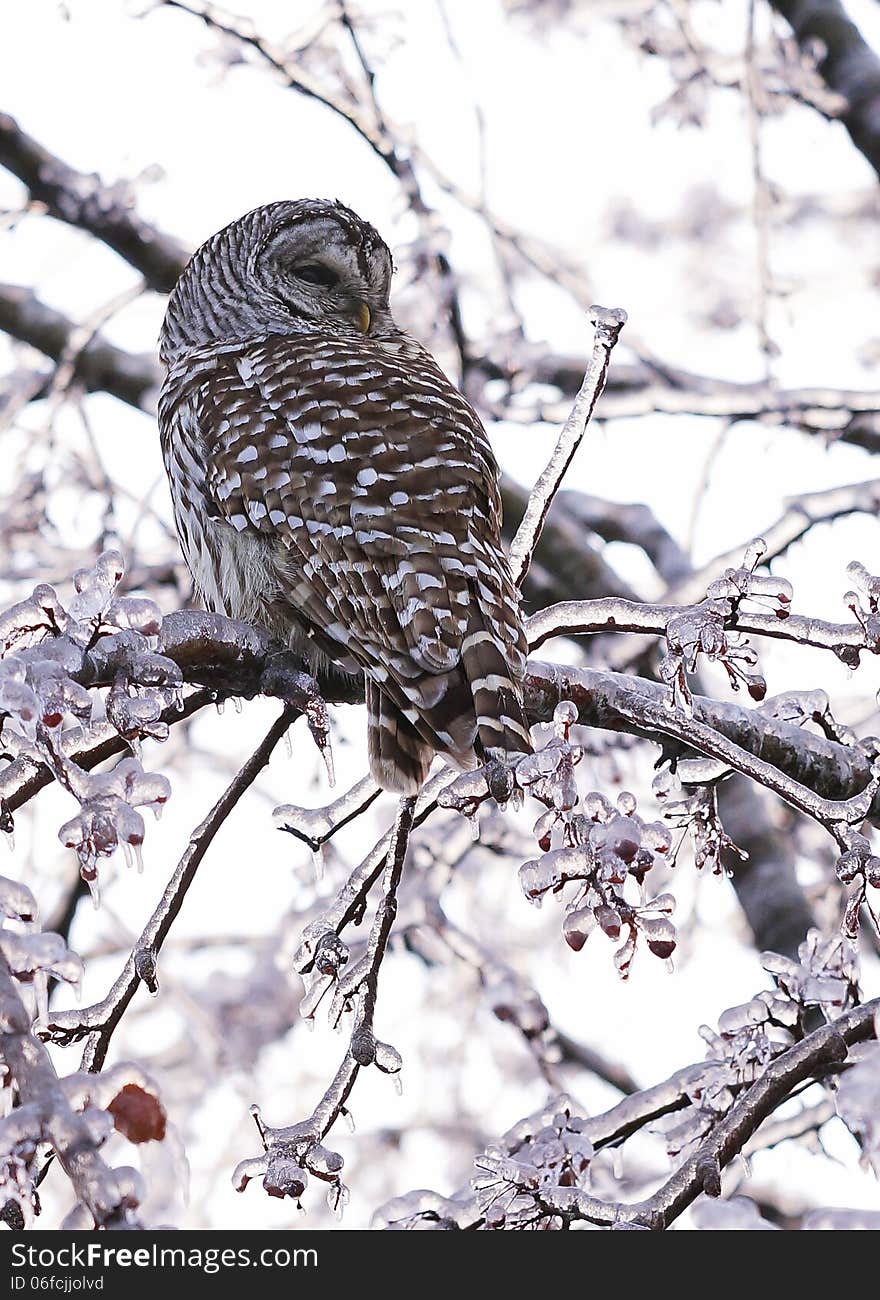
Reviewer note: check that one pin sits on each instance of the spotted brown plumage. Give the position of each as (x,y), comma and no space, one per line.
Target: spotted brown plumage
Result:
(331,484)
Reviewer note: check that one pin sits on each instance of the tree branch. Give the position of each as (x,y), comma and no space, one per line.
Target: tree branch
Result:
(847,63)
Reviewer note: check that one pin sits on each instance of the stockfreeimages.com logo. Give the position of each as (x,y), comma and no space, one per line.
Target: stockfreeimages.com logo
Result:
(95,1255)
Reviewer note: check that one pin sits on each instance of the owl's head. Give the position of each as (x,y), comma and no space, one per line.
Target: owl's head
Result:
(289,266)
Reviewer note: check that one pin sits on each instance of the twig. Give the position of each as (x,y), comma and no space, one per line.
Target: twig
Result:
(608,324)
(301,1139)
(701,1171)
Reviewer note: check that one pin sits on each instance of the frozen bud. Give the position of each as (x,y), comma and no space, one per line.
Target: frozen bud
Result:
(363,1046)
(578,926)
(284,1175)
(125,1188)
(109,568)
(146,969)
(597,807)
(387,1058)
(150,669)
(543,828)
(565,715)
(134,715)
(18,700)
(331,954)
(657,838)
(609,920)
(245,1170)
(626,802)
(565,791)
(323,1163)
(134,613)
(748,1014)
(659,933)
(622,837)
(16,900)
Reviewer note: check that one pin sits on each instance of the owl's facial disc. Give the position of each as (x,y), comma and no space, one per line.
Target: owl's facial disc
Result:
(320,271)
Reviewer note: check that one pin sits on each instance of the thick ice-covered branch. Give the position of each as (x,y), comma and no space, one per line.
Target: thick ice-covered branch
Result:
(620,702)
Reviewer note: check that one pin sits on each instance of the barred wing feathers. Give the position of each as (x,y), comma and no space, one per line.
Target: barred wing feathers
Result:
(370,478)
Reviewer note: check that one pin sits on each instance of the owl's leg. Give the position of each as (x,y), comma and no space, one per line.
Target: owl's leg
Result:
(399,758)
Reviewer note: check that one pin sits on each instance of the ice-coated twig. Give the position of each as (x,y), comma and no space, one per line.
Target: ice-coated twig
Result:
(99,1021)
(594,617)
(110,1195)
(608,323)
(350,901)
(825,1048)
(298,1147)
(823,1052)
(317,826)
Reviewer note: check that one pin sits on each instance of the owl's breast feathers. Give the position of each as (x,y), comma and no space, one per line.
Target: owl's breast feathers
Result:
(348,489)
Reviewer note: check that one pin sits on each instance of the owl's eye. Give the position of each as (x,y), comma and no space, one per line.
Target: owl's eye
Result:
(315,273)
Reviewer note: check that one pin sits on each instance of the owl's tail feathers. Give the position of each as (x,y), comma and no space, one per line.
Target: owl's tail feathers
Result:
(497,696)
(399,758)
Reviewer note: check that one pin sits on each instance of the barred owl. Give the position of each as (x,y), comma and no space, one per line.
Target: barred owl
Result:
(331,485)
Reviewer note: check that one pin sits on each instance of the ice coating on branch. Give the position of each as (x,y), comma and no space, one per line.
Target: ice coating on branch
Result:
(544,1154)
(291,1155)
(865,605)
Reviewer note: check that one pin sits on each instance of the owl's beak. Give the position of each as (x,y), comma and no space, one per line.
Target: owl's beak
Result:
(363,317)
